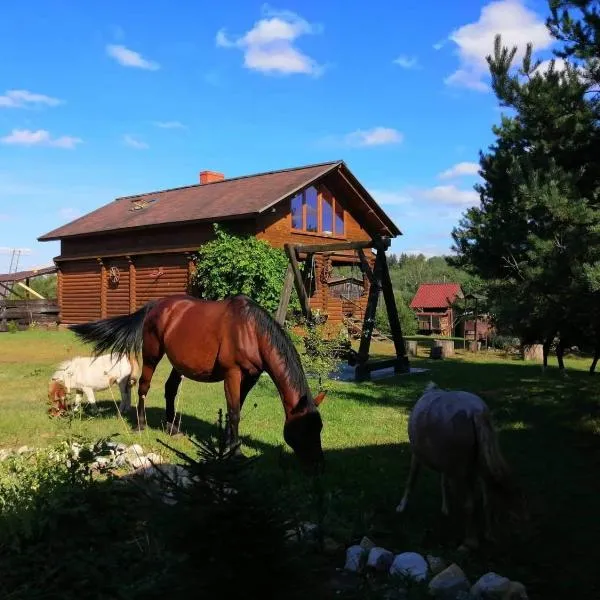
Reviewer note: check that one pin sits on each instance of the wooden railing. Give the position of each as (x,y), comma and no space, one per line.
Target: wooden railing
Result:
(349,307)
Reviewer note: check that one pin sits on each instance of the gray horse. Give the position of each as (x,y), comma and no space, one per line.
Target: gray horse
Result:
(451,432)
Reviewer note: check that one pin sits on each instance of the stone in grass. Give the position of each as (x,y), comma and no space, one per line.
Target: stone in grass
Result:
(516,591)
(140,462)
(436,564)
(135,450)
(449,583)
(490,586)
(356,557)
(380,559)
(156,459)
(409,564)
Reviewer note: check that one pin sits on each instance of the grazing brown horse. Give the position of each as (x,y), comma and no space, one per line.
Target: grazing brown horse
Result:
(232,340)
(451,432)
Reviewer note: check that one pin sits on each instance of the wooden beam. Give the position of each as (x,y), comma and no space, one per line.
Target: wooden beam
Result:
(284,301)
(11,290)
(290,250)
(369,318)
(392,312)
(364,265)
(30,290)
(132,288)
(311,248)
(103,288)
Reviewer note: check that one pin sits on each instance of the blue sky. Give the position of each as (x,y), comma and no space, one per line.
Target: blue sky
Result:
(104,99)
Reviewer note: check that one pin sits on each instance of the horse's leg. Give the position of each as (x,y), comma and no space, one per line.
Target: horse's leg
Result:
(123,389)
(233,387)
(470,541)
(78,399)
(171,387)
(152,352)
(486,510)
(415,467)
(444,486)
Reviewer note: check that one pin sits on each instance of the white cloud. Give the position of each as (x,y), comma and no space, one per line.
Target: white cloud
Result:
(69,213)
(377,136)
(407,62)
(130,58)
(426,251)
(450,194)
(132,142)
(460,169)
(26,99)
(169,124)
(513,21)
(41,137)
(4,217)
(390,198)
(269,47)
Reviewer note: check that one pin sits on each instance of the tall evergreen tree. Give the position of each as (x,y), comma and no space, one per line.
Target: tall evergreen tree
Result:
(536,234)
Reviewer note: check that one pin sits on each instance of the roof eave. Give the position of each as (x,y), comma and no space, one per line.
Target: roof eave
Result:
(45,238)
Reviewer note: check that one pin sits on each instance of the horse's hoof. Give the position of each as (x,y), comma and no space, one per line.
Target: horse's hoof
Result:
(401,507)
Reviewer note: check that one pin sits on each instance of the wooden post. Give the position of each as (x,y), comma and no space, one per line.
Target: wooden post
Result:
(392,312)
(132,294)
(369,322)
(290,250)
(284,301)
(59,290)
(103,288)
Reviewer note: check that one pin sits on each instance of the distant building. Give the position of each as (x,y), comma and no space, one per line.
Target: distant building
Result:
(433,306)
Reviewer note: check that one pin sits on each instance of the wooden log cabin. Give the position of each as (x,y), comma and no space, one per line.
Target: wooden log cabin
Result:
(136,248)
(433,307)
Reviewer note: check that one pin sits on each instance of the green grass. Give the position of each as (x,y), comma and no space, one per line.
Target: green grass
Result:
(548,424)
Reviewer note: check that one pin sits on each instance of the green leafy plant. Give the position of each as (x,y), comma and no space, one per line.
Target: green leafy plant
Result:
(232,264)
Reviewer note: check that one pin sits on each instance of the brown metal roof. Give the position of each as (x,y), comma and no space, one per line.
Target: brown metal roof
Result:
(236,197)
(22,275)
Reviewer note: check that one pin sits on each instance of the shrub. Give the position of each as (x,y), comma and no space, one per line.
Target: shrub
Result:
(231,264)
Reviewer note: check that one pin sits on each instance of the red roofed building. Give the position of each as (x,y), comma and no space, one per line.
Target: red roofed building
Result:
(433,306)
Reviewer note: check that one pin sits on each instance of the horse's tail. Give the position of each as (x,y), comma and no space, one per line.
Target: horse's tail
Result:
(493,466)
(120,335)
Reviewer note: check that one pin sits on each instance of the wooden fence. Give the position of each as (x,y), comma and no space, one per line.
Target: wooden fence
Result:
(25,312)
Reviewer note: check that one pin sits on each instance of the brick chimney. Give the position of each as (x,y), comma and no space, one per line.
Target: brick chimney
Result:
(210,176)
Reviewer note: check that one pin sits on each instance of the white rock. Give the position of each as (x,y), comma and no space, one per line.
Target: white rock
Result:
(141,462)
(4,454)
(121,460)
(516,591)
(102,461)
(436,564)
(449,582)
(490,587)
(135,450)
(355,558)
(24,449)
(380,559)
(157,459)
(409,564)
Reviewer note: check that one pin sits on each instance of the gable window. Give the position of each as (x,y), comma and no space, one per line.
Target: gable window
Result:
(317,211)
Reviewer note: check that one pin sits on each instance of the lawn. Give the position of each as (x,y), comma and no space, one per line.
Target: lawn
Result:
(549,430)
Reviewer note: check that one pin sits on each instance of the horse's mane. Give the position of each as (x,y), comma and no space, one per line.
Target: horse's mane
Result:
(280,340)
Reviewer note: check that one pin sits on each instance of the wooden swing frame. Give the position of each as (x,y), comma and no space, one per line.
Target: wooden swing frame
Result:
(379,279)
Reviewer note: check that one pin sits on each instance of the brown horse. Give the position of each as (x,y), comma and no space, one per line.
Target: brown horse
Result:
(451,432)
(232,340)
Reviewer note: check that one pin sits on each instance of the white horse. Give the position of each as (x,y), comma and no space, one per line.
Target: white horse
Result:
(451,432)
(86,374)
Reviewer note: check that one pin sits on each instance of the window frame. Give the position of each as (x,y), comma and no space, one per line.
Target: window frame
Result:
(335,205)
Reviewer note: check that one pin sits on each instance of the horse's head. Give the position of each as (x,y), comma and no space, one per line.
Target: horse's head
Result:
(302,432)
(57,391)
